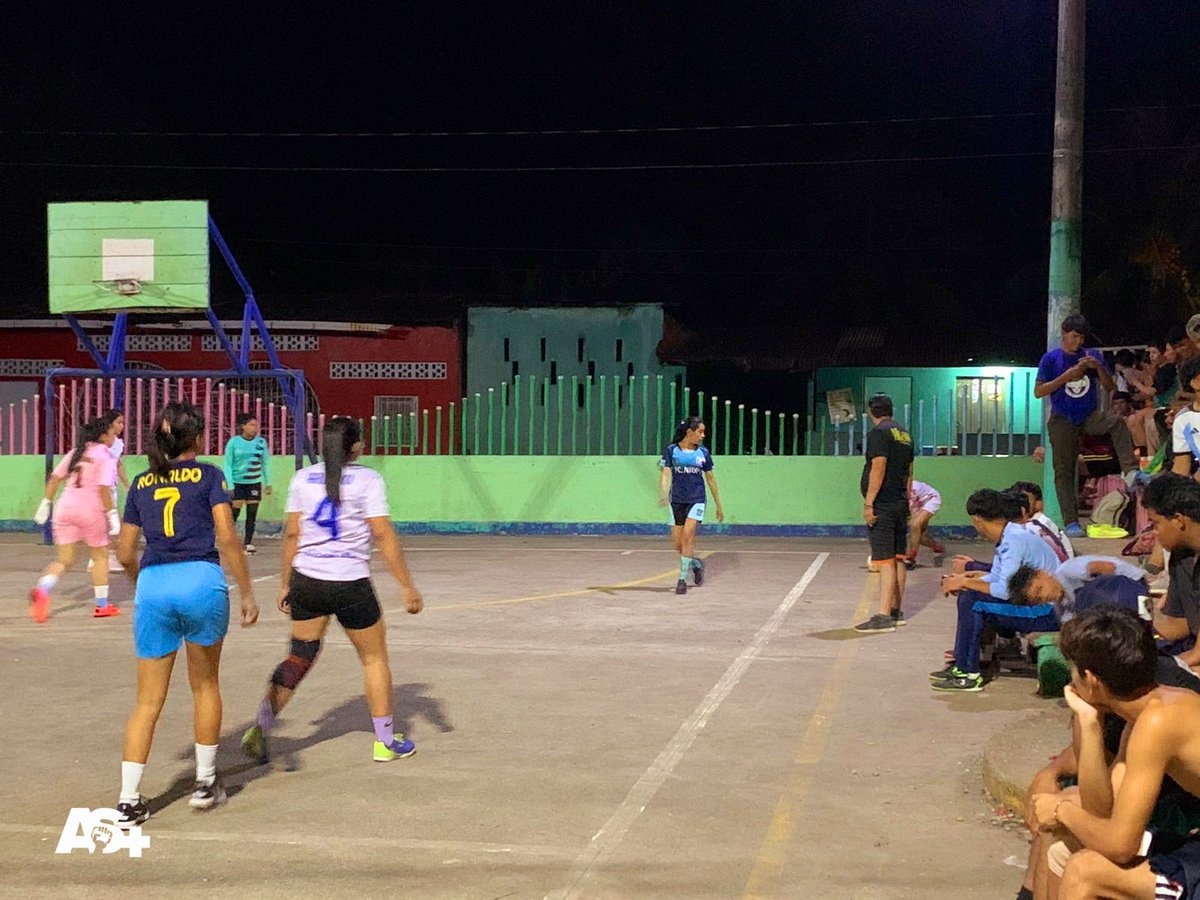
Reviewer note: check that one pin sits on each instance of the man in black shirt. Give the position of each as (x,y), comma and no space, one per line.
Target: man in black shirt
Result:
(886,480)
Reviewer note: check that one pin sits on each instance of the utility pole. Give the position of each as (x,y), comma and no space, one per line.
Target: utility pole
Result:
(1066,219)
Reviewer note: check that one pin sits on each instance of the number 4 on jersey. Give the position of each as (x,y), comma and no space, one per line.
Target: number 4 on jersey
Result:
(326,516)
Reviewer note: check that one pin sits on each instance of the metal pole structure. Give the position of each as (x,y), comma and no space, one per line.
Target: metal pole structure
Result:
(1066,205)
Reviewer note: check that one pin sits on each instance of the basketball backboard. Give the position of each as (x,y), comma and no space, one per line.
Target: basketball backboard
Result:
(128,257)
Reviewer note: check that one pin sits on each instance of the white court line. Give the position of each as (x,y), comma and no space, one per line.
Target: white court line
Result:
(327,840)
(609,837)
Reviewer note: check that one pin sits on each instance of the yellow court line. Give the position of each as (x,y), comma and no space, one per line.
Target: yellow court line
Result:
(773,853)
(577,592)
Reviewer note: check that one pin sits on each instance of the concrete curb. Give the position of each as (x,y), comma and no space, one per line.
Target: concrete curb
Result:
(1012,757)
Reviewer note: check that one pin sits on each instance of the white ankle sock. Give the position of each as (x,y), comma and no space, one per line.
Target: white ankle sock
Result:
(101,592)
(131,781)
(47,582)
(206,763)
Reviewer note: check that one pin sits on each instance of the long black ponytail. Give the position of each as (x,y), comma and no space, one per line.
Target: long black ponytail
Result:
(691,423)
(179,428)
(337,449)
(90,433)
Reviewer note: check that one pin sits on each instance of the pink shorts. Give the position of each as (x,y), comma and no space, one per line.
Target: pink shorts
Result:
(74,525)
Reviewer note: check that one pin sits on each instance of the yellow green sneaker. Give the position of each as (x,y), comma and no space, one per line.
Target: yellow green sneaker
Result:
(399,748)
(254,743)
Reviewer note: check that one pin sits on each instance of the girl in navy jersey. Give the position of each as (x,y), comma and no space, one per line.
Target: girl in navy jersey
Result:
(181,598)
(686,465)
(335,511)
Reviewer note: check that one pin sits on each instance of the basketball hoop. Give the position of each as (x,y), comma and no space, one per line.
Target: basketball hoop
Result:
(124,287)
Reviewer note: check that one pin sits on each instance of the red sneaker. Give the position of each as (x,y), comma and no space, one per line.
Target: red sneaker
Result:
(939,549)
(39,609)
(105,612)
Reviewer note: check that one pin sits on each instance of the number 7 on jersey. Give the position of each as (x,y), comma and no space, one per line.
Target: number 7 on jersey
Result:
(171,495)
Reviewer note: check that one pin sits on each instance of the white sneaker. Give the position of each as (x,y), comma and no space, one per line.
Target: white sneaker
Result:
(251,549)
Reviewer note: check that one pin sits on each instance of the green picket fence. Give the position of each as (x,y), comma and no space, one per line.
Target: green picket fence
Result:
(583,416)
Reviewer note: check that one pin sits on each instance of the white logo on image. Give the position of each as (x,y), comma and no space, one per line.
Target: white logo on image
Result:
(88,828)
(1079,386)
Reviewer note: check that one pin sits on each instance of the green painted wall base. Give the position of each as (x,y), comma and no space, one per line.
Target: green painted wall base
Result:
(567,494)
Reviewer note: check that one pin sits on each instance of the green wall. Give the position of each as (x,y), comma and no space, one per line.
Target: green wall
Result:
(619,493)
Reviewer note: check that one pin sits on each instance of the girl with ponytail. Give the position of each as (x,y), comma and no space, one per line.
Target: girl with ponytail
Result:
(686,464)
(181,508)
(85,514)
(336,510)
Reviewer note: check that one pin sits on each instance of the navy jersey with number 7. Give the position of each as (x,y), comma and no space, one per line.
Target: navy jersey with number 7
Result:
(175,512)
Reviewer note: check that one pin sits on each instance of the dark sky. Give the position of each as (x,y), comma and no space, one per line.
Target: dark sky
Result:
(947,240)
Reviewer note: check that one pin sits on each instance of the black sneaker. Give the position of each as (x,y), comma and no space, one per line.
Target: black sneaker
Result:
(681,586)
(960,683)
(898,617)
(132,814)
(910,563)
(942,674)
(206,796)
(698,572)
(877,624)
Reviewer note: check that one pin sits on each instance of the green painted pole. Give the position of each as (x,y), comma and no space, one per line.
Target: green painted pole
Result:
(700,403)
(658,410)
(412,432)
(674,405)
(503,417)
(712,425)
(490,419)
(741,429)
(782,430)
(754,431)
(616,382)
(425,432)
(645,414)
(821,452)
(795,434)
(767,422)
(516,415)
(475,419)
(437,431)
(587,414)
(545,417)
(632,409)
(387,428)
(558,417)
(574,415)
(532,410)
(728,427)
(687,403)
(374,435)
(450,445)
(600,406)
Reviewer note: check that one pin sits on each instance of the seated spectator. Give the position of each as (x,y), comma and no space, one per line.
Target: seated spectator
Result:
(1058,587)
(1041,524)
(1175,809)
(923,503)
(983,595)
(1185,430)
(1114,668)
(1173,504)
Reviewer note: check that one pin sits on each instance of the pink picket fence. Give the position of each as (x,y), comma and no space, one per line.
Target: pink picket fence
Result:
(79,399)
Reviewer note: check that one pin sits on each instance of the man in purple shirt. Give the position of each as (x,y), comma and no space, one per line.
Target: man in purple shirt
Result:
(1071,377)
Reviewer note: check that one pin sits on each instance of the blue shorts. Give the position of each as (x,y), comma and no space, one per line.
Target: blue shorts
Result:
(176,602)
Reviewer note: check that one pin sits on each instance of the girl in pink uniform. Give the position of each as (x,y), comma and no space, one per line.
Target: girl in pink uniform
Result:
(85,514)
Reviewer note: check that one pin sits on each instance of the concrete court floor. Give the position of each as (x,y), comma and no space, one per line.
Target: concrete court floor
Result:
(583,732)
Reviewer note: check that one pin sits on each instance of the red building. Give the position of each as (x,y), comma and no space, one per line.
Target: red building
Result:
(351,368)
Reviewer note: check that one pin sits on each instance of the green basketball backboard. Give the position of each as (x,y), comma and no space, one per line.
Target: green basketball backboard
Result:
(128,257)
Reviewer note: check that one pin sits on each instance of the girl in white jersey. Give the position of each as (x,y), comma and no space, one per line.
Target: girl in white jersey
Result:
(335,511)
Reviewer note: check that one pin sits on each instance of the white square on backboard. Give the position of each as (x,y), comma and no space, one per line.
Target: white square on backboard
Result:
(128,258)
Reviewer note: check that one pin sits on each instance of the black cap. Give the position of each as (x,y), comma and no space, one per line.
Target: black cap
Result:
(1076,323)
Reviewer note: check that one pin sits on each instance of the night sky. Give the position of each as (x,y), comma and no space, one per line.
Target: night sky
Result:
(925,243)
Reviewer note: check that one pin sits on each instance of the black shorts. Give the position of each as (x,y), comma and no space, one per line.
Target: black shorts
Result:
(249,493)
(681,512)
(889,535)
(353,602)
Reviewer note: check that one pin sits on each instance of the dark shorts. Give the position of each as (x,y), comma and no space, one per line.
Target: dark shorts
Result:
(681,512)
(250,493)
(1178,873)
(889,535)
(353,602)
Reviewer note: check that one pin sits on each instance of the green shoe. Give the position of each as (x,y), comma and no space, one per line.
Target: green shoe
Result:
(398,749)
(254,743)
(960,684)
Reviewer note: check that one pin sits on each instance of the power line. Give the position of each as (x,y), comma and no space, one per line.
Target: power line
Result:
(558,132)
(644,167)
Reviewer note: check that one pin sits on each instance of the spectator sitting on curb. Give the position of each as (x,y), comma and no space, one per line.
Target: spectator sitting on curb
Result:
(1114,665)
(982,596)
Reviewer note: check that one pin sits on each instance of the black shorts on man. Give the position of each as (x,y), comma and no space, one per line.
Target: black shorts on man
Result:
(888,537)
(248,493)
(353,602)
